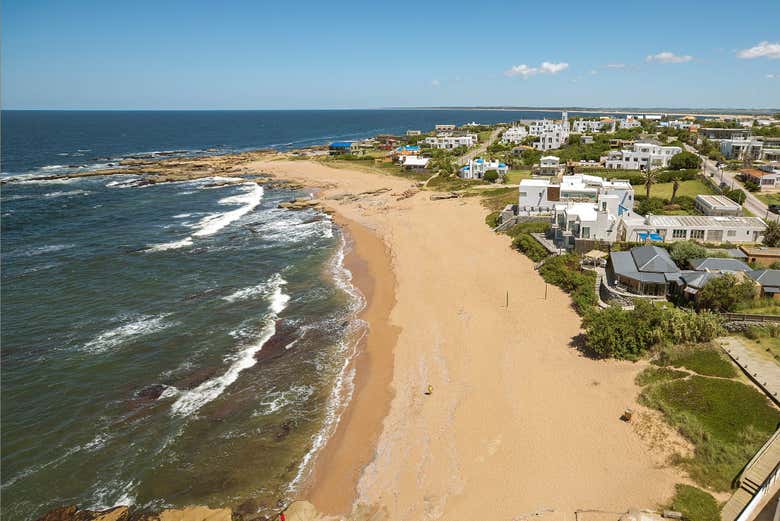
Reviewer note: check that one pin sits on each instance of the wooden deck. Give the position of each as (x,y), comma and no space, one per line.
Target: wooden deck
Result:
(756,480)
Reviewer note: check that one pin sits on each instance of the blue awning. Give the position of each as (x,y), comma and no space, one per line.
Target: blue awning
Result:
(651,236)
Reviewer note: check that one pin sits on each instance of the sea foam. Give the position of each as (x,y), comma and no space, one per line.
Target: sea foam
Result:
(144,325)
(192,400)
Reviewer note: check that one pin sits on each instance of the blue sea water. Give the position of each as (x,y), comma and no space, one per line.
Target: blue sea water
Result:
(170,344)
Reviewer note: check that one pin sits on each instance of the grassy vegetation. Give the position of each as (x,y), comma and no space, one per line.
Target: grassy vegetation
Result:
(690,188)
(655,375)
(705,359)
(453,183)
(564,271)
(495,199)
(725,419)
(763,306)
(514,177)
(491,219)
(694,504)
(768,198)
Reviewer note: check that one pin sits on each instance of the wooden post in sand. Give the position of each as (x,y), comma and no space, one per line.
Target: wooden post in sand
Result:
(507,299)
(545,291)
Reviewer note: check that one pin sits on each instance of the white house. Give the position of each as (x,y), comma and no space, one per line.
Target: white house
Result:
(549,166)
(476,168)
(415,163)
(447,141)
(765,177)
(541,195)
(445,128)
(717,205)
(584,126)
(704,228)
(514,135)
(413,132)
(551,134)
(640,157)
(629,122)
(741,148)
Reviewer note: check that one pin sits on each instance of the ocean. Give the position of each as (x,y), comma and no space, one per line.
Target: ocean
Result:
(179,343)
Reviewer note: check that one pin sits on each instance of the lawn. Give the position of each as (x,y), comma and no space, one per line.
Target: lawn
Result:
(768,198)
(690,188)
(725,419)
(695,504)
(495,199)
(704,359)
(514,177)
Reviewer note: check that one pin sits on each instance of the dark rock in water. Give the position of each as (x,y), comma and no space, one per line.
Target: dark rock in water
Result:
(72,513)
(196,378)
(200,294)
(151,392)
(284,430)
(275,346)
(250,507)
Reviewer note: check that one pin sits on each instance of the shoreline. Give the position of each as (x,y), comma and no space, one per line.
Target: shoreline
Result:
(332,483)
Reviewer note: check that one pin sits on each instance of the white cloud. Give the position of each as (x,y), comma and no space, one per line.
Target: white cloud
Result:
(772,76)
(615,66)
(668,57)
(435,83)
(762,50)
(545,68)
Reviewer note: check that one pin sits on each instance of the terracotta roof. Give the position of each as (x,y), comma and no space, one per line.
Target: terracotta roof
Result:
(754,172)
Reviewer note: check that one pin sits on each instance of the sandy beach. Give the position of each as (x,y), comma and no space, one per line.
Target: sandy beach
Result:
(519,420)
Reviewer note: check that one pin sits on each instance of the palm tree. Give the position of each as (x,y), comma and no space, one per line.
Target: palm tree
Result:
(675,187)
(650,177)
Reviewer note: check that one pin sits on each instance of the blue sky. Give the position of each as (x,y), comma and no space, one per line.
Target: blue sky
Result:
(297,54)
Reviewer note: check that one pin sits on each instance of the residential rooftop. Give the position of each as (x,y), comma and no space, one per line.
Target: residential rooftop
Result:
(692,221)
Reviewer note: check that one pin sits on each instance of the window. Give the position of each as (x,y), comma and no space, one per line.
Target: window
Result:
(523,194)
(679,234)
(586,232)
(697,234)
(731,233)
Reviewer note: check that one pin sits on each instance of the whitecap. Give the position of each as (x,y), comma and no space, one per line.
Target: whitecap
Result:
(67,194)
(273,284)
(49,248)
(171,245)
(142,326)
(277,400)
(250,200)
(192,400)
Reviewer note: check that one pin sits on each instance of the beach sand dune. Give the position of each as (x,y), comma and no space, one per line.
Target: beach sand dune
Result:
(519,420)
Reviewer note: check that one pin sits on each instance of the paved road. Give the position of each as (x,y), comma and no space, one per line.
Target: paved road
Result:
(480,149)
(762,370)
(752,203)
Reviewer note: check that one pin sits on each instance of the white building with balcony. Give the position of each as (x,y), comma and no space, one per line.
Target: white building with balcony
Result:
(541,195)
(514,135)
(476,168)
(448,142)
(586,126)
(642,156)
(704,228)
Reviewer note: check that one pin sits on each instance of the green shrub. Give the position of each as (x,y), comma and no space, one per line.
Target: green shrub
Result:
(682,252)
(736,195)
(629,334)
(684,160)
(695,504)
(725,293)
(491,176)
(564,271)
(530,247)
(529,227)
(491,219)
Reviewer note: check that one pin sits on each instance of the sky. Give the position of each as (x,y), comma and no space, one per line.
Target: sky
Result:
(232,54)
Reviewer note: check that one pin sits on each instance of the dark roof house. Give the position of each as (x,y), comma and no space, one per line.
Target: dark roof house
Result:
(719,264)
(769,280)
(644,270)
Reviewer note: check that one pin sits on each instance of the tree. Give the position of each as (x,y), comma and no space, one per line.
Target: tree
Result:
(772,234)
(442,165)
(682,252)
(491,176)
(675,187)
(685,161)
(736,195)
(649,176)
(724,293)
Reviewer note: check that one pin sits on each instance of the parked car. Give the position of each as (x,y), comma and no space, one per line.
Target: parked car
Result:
(774,208)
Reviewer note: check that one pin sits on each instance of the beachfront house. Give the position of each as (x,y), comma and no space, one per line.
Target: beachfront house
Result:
(717,205)
(549,166)
(448,142)
(415,163)
(629,122)
(405,150)
(541,195)
(514,135)
(340,148)
(476,168)
(550,134)
(644,270)
(765,178)
(411,133)
(640,157)
(703,228)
